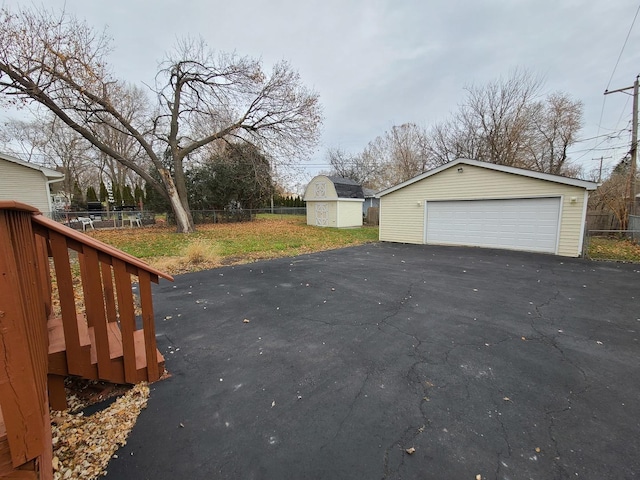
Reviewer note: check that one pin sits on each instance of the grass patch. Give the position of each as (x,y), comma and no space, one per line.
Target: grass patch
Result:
(605,248)
(230,243)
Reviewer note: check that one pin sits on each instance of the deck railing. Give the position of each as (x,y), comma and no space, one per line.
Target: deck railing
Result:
(96,328)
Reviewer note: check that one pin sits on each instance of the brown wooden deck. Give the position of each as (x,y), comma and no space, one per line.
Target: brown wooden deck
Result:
(112,338)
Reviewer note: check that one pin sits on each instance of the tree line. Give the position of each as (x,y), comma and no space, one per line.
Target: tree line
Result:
(509,121)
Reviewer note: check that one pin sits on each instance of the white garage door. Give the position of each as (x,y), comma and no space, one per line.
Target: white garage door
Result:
(529,224)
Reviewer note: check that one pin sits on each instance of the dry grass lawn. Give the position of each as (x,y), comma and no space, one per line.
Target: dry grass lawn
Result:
(219,244)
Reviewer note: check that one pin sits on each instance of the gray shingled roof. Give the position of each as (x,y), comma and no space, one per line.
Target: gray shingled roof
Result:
(347,188)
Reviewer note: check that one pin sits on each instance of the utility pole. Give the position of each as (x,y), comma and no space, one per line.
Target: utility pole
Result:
(631,186)
(600,169)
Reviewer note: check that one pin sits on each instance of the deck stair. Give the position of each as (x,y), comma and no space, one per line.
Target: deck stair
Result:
(101,327)
(103,342)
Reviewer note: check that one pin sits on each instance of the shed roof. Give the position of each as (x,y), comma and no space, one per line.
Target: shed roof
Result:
(492,166)
(49,173)
(346,188)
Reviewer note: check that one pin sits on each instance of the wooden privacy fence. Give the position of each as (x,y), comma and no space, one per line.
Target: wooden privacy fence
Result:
(112,338)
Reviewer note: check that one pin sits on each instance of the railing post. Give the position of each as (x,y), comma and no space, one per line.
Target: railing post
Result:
(146,302)
(23,355)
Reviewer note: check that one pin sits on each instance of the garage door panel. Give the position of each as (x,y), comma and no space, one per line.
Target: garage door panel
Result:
(529,224)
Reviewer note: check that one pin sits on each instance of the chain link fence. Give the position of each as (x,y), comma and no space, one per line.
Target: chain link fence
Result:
(233,215)
(88,219)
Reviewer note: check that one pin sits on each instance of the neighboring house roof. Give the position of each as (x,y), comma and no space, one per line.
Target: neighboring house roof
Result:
(492,166)
(49,173)
(347,188)
(368,192)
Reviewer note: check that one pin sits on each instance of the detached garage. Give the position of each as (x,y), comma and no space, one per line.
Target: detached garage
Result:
(473,203)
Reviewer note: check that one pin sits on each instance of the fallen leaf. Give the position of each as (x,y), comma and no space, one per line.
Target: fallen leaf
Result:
(523,339)
(506,399)
(410,451)
(478,477)
(273,404)
(246,320)
(537,449)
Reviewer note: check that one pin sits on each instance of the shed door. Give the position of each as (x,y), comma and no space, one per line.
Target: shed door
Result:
(322,214)
(530,224)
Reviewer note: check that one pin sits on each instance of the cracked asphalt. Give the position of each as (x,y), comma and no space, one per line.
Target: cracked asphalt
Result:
(502,364)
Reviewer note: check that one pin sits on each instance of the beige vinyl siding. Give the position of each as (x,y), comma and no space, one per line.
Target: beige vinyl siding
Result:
(402,211)
(333,210)
(24,185)
(311,213)
(349,213)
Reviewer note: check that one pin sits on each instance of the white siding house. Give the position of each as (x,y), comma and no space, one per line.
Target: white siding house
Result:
(468,202)
(26,182)
(334,202)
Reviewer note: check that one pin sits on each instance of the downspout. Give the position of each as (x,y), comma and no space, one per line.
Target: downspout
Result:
(49,182)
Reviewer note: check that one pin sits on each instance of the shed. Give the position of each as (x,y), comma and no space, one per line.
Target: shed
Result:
(334,202)
(27,182)
(473,203)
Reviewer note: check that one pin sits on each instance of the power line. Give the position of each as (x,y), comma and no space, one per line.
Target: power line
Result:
(609,136)
(623,47)
(603,149)
(615,67)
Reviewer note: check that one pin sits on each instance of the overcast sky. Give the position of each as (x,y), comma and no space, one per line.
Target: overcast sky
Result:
(378,63)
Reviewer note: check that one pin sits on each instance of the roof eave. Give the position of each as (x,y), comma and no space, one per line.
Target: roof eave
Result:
(492,166)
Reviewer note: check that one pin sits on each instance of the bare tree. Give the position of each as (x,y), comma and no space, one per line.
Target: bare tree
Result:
(362,168)
(611,197)
(555,124)
(61,63)
(49,142)
(499,114)
(509,123)
(402,153)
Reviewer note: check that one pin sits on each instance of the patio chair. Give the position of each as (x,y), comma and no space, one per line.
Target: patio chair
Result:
(137,219)
(86,221)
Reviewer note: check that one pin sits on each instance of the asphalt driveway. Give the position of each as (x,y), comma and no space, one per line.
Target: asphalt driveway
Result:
(501,364)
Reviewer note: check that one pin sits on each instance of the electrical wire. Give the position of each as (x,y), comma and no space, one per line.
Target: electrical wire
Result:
(623,47)
(615,67)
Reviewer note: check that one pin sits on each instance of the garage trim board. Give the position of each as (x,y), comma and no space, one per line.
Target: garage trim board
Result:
(522,223)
